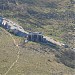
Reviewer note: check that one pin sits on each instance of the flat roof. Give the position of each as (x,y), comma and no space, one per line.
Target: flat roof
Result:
(38,33)
(14,25)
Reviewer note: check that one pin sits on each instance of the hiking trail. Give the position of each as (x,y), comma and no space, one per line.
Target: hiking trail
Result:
(18,53)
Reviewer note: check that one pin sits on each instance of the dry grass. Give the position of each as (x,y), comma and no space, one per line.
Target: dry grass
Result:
(31,62)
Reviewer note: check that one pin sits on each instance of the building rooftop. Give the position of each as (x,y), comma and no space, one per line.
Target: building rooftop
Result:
(13,25)
(33,33)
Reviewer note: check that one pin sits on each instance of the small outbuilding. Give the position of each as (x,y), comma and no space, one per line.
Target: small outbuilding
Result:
(35,37)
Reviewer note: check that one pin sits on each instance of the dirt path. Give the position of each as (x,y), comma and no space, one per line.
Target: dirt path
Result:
(18,53)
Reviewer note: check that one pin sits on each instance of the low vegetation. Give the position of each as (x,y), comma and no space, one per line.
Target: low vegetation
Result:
(55,18)
(34,58)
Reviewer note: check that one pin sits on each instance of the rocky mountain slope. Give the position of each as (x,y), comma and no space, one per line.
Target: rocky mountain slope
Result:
(55,18)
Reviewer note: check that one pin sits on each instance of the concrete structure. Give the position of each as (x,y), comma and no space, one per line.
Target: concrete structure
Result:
(52,41)
(31,36)
(35,37)
(13,28)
